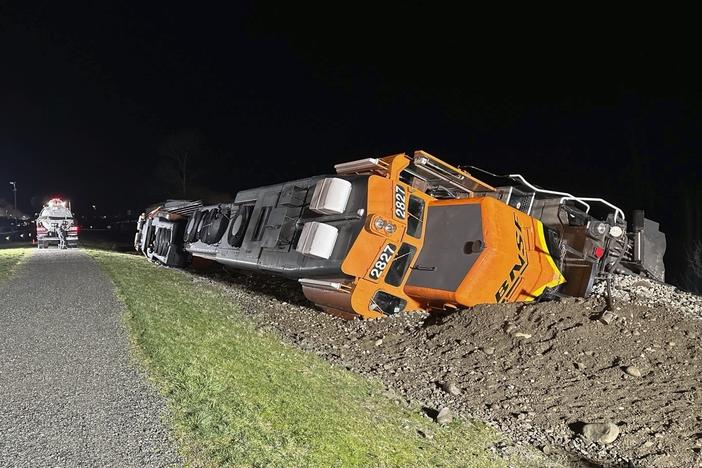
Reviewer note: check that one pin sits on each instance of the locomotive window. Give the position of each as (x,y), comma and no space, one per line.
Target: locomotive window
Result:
(387,303)
(400,264)
(415,217)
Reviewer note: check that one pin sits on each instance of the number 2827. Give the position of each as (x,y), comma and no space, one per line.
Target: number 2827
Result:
(382,261)
(400,202)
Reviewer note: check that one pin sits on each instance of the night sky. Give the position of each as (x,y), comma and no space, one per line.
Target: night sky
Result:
(89,93)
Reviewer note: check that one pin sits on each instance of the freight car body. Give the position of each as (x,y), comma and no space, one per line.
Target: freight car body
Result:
(399,233)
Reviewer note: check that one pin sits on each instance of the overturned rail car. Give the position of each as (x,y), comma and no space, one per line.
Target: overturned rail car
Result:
(401,233)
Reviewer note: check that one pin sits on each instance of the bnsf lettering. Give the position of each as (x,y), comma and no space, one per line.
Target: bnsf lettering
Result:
(515,274)
(400,202)
(382,262)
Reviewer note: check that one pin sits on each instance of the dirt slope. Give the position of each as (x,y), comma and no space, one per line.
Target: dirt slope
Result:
(536,371)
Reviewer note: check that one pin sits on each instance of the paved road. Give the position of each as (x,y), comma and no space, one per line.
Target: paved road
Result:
(69,394)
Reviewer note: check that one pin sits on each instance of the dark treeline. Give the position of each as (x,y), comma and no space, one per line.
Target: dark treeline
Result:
(118,105)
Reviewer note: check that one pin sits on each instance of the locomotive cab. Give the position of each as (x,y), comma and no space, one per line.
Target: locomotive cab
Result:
(417,251)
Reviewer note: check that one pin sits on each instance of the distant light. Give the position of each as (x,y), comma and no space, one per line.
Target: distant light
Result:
(7,237)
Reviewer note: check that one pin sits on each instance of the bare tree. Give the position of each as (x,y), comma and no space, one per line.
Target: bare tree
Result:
(7,210)
(180,152)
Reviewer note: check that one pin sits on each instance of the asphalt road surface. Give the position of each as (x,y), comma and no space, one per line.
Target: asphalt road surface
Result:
(69,393)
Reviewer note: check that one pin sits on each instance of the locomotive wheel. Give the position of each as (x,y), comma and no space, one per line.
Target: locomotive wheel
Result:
(238,228)
(205,230)
(203,224)
(218,224)
(190,228)
(164,242)
(157,241)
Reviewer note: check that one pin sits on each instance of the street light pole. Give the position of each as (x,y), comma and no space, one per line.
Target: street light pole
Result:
(14,189)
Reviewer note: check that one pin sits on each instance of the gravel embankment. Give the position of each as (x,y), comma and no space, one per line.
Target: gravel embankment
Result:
(641,291)
(70,394)
(537,372)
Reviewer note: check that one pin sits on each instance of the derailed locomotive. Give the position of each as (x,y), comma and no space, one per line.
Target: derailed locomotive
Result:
(403,233)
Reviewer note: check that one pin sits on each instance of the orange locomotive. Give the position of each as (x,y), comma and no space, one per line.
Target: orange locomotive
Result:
(441,252)
(395,234)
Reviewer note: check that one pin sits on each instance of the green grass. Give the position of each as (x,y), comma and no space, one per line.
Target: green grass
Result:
(241,397)
(9,258)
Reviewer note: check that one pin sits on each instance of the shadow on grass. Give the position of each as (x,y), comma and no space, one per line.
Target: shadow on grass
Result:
(280,288)
(122,242)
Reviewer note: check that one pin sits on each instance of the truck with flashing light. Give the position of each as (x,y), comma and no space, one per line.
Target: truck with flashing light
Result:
(56,225)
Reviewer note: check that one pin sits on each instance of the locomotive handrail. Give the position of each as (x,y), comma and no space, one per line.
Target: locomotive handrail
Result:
(617,210)
(564,195)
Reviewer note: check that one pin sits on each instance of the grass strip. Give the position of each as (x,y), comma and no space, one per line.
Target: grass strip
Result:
(9,259)
(241,397)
